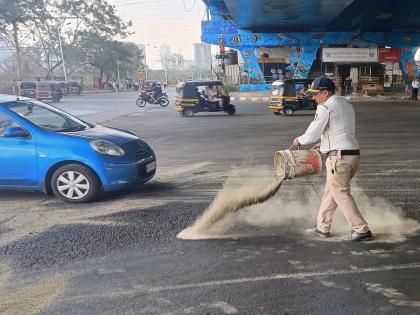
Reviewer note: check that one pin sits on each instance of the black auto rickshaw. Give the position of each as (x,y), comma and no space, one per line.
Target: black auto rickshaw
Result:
(202,96)
(74,87)
(48,91)
(287,96)
(27,88)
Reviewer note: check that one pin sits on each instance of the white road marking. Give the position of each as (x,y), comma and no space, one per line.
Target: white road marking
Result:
(226,308)
(330,284)
(395,297)
(282,276)
(296,264)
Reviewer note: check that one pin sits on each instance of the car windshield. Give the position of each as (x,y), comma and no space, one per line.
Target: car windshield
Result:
(47,117)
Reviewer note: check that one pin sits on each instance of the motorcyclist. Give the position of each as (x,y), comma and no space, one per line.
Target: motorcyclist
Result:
(156,91)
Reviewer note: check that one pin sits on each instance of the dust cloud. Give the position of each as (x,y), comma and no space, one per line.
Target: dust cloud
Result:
(296,209)
(293,209)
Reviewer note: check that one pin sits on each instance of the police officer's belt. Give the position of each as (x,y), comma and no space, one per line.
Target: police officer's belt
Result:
(344,152)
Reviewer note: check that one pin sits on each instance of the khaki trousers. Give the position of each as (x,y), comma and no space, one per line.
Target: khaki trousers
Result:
(337,193)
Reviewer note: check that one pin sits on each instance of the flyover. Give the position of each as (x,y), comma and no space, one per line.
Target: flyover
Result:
(308,25)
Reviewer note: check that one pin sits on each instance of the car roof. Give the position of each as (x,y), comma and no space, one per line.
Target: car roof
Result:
(6,98)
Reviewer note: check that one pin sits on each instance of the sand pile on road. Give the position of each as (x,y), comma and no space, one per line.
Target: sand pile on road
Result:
(34,297)
(4,273)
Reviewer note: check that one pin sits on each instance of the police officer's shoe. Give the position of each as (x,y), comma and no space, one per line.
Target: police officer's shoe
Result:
(315,231)
(360,237)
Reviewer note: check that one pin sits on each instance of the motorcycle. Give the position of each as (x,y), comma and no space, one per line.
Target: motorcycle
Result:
(145,98)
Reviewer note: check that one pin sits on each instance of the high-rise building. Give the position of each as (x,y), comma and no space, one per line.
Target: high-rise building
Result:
(165,52)
(202,56)
(175,61)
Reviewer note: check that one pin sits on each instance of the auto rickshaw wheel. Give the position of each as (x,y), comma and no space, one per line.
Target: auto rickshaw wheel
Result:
(289,111)
(277,113)
(187,113)
(231,110)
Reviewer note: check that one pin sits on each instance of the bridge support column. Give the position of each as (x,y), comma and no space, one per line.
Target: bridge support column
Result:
(408,64)
(256,77)
(306,59)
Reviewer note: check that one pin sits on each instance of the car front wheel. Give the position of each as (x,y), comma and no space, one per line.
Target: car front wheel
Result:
(75,183)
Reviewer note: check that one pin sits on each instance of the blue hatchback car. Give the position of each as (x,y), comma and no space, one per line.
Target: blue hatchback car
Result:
(45,149)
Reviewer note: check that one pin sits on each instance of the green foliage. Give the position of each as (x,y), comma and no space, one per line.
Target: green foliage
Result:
(104,54)
(44,19)
(17,11)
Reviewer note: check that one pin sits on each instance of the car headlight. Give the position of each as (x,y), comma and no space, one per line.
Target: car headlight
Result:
(106,147)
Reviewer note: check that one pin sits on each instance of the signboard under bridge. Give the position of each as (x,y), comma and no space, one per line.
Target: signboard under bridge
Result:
(358,55)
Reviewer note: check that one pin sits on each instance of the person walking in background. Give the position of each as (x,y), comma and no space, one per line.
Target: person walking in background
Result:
(348,84)
(415,85)
(334,124)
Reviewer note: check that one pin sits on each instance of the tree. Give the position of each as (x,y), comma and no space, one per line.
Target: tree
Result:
(13,14)
(44,20)
(108,55)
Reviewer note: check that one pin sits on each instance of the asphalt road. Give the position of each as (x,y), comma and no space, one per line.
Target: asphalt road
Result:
(120,255)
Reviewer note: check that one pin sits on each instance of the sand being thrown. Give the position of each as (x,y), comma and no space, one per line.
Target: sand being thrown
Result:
(295,209)
(214,220)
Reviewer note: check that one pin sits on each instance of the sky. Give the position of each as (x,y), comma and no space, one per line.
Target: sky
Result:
(155,22)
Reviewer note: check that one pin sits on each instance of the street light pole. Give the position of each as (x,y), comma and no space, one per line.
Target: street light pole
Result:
(18,58)
(166,74)
(62,55)
(145,61)
(118,74)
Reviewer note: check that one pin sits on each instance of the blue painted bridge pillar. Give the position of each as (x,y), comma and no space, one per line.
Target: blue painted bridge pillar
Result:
(408,64)
(306,59)
(255,77)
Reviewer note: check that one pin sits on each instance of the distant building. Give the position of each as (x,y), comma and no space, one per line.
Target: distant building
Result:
(202,56)
(188,65)
(175,62)
(165,51)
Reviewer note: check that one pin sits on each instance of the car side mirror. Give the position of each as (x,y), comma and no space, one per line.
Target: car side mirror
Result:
(15,132)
